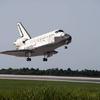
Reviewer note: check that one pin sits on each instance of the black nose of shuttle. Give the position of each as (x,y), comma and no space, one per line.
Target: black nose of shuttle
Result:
(70,38)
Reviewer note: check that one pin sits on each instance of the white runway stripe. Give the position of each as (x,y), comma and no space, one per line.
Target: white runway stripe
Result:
(51,78)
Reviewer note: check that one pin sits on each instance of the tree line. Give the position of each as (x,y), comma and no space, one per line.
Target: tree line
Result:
(53,71)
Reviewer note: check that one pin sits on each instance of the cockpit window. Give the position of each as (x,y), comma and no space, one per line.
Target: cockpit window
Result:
(59,31)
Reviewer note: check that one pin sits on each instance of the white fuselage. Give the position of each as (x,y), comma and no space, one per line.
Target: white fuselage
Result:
(48,38)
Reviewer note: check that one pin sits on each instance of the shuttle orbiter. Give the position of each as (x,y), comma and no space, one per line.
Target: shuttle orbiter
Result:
(43,45)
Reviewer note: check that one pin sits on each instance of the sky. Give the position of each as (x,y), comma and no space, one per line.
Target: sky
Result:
(79,18)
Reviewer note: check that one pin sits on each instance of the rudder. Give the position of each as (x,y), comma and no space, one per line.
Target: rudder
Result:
(22,31)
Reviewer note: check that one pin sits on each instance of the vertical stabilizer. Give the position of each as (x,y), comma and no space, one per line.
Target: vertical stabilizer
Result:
(22,31)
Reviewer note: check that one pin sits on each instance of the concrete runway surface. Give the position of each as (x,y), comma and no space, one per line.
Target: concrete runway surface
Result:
(51,78)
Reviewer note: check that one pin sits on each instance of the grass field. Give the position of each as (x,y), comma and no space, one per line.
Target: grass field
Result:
(47,90)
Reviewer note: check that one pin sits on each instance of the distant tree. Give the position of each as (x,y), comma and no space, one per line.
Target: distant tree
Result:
(53,71)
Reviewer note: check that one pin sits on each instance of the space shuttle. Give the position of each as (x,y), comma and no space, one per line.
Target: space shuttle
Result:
(44,45)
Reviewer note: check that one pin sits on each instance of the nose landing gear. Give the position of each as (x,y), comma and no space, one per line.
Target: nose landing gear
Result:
(66,47)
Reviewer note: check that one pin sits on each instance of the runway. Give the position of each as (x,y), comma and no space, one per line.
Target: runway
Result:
(51,78)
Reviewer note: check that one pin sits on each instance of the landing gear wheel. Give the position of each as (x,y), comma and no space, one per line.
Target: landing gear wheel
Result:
(45,59)
(66,47)
(28,59)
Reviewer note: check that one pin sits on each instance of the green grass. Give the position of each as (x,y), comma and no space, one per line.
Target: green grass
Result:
(47,90)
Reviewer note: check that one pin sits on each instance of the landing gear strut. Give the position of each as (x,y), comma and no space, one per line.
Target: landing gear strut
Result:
(45,57)
(28,55)
(28,59)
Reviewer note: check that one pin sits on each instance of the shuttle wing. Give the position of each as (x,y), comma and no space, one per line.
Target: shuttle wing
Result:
(20,53)
(34,52)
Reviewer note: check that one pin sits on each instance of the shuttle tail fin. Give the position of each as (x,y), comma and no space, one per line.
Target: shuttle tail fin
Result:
(22,31)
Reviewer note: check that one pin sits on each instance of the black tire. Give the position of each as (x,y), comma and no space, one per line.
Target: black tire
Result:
(66,47)
(45,59)
(28,59)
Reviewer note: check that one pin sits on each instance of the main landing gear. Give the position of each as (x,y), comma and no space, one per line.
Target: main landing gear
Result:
(49,54)
(28,59)
(28,55)
(46,55)
(45,59)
